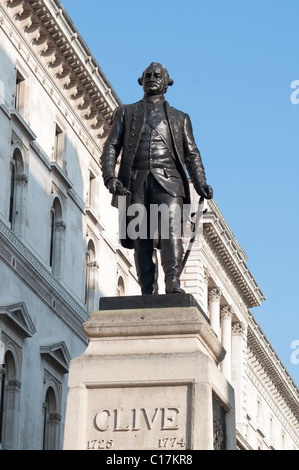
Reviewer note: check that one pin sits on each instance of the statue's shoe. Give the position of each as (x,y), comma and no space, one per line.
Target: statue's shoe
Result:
(173,287)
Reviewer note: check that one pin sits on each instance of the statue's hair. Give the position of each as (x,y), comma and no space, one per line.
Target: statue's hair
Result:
(168,80)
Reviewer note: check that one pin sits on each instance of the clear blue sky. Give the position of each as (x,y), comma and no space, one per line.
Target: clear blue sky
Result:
(232,62)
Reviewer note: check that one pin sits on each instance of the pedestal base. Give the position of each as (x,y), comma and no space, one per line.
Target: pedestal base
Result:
(149,379)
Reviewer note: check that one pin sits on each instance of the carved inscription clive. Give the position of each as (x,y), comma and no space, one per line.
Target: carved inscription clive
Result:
(150,418)
(137,418)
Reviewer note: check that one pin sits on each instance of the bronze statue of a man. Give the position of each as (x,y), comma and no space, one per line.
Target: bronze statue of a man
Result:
(157,144)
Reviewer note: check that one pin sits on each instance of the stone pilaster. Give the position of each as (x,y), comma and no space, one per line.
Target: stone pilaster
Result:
(214,309)
(226,328)
(239,365)
(206,277)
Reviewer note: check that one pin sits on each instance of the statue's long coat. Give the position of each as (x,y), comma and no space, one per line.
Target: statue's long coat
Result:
(125,133)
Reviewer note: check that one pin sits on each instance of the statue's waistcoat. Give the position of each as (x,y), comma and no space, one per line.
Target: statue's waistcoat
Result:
(135,124)
(155,148)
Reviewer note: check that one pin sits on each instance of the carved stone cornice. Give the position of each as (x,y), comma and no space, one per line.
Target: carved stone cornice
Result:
(230,255)
(48,30)
(264,361)
(218,271)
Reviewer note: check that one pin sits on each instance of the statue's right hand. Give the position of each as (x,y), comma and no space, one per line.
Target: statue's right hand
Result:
(112,185)
(116,187)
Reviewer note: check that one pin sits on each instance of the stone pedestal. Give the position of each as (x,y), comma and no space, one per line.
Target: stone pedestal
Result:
(149,379)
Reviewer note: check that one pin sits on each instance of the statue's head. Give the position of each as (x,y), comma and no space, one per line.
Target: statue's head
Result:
(155,79)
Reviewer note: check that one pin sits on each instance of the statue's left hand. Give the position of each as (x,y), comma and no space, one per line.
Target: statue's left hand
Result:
(205,191)
(116,187)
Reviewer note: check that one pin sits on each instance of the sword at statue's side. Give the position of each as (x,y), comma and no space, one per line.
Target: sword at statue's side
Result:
(194,225)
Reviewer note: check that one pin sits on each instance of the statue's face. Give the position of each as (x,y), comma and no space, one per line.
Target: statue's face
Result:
(153,81)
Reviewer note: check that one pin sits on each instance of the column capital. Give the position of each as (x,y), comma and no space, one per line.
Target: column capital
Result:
(55,418)
(14,385)
(226,311)
(239,328)
(93,265)
(60,225)
(22,178)
(2,371)
(215,293)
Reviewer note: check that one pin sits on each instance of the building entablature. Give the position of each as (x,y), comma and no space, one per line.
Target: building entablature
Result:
(231,256)
(53,38)
(269,370)
(39,278)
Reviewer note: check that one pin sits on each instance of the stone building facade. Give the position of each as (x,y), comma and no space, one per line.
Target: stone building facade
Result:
(59,250)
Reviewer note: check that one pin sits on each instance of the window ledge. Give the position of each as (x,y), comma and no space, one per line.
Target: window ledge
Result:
(20,121)
(61,174)
(91,213)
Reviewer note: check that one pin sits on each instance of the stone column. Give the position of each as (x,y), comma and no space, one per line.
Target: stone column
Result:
(12,412)
(2,351)
(226,328)
(214,309)
(2,384)
(19,221)
(206,278)
(53,427)
(2,378)
(239,365)
(58,249)
(92,268)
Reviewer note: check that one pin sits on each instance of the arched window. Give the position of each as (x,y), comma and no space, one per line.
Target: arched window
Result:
(18,183)
(120,286)
(57,237)
(91,271)
(10,404)
(51,425)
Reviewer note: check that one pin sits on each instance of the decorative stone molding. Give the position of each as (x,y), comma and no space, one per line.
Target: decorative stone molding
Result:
(57,355)
(18,317)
